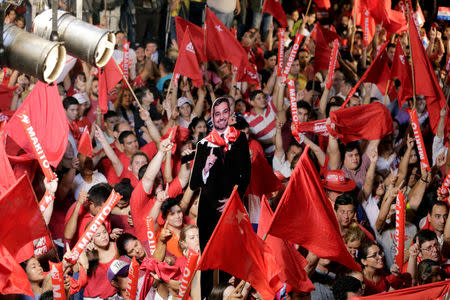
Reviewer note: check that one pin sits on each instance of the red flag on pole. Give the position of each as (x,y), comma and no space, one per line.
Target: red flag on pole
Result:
(44,107)
(85,144)
(323,3)
(399,237)
(109,76)
(291,262)
(187,63)
(251,261)
(305,200)
(424,78)
(274,8)
(401,70)
(197,36)
(13,279)
(323,38)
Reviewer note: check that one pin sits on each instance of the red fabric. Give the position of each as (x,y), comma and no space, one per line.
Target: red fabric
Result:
(188,273)
(419,139)
(356,123)
(22,219)
(7,177)
(110,75)
(13,279)
(98,284)
(426,291)
(263,180)
(425,80)
(305,200)
(222,45)
(274,8)
(133,277)
(85,145)
(197,35)
(187,63)
(179,135)
(215,138)
(291,262)
(364,18)
(163,270)
(6,95)
(44,107)
(399,237)
(378,73)
(401,70)
(251,259)
(323,38)
(56,271)
(332,64)
(323,3)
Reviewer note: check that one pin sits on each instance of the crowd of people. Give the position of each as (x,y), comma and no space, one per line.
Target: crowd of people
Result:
(146,148)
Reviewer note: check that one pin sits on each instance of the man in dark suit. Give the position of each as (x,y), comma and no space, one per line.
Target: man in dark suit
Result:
(222,161)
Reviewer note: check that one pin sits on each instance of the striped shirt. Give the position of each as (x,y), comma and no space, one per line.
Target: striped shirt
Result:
(263,127)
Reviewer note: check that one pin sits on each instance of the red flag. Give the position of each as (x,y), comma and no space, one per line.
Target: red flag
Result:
(197,35)
(7,177)
(323,38)
(85,144)
(332,65)
(378,73)
(251,261)
(305,200)
(291,262)
(323,3)
(56,271)
(179,135)
(188,273)
(399,237)
(22,219)
(401,70)
(6,95)
(436,290)
(44,107)
(133,277)
(187,63)
(356,123)
(274,8)
(221,44)
(424,78)
(13,279)
(110,75)
(419,139)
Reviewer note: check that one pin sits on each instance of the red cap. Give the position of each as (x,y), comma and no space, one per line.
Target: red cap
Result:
(336,181)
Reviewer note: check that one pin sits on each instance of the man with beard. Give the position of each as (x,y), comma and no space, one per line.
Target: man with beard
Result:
(222,161)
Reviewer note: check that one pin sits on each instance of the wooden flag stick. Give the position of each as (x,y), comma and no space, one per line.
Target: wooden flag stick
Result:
(128,84)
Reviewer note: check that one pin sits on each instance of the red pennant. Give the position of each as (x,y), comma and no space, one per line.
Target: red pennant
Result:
(85,144)
(419,139)
(399,237)
(401,70)
(444,189)
(187,63)
(274,8)
(44,107)
(98,220)
(133,277)
(290,61)
(110,75)
(197,35)
(291,262)
(323,38)
(332,65)
(151,236)
(188,273)
(305,200)
(251,261)
(56,271)
(281,34)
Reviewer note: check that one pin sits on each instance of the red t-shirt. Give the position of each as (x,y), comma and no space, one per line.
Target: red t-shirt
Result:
(141,203)
(81,124)
(98,284)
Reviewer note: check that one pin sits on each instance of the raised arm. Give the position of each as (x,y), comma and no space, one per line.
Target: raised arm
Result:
(117,164)
(50,188)
(152,130)
(403,167)
(201,96)
(370,174)
(334,153)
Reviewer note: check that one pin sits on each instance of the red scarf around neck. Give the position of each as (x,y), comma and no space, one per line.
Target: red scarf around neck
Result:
(215,138)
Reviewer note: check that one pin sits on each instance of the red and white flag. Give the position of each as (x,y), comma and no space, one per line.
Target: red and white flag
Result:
(399,237)
(187,63)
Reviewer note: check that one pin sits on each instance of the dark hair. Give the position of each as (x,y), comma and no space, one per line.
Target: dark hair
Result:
(435,202)
(122,240)
(364,249)
(219,101)
(336,103)
(124,135)
(349,148)
(345,199)
(68,101)
(167,64)
(142,171)
(217,291)
(167,205)
(304,105)
(269,53)
(110,114)
(313,84)
(390,45)
(241,123)
(124,188)
(344,285)
(48,295)
(255,93)
(140,93)
(99,193)
(194,123)
(424,270)
(425,235)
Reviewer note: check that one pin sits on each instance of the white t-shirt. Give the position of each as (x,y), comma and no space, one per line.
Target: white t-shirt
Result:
(78,182)
(222,6)
(282,166)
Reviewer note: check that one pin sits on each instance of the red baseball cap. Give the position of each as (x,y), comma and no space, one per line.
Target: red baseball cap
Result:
(335,180)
